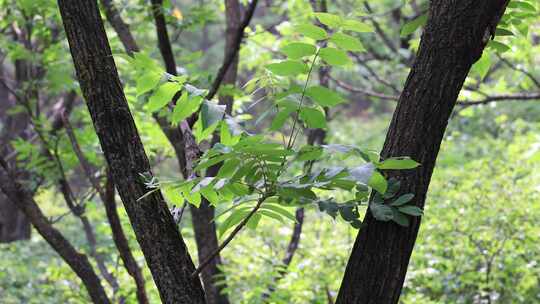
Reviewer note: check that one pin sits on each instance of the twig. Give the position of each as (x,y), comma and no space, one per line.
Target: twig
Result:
(231,236)
(228,60)
(516,68)
(500,98)
(352,89)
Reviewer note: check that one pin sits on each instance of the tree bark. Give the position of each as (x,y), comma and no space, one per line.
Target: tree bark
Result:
(454,38)
(203,217)
(14,225)
(156,232)
(77,261)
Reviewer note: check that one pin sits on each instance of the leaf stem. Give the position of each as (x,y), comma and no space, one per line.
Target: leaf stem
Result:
(231,236)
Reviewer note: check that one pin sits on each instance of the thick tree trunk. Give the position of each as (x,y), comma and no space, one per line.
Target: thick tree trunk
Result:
(156,232)
(77,261)
(453,40)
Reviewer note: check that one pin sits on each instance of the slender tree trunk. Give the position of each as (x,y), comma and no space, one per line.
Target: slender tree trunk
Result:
(14,225)
(203,217)
(453,40)
(77,261)
(156,232)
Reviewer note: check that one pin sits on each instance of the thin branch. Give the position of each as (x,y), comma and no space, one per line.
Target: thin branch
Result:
(120,27)
(231,236)
(500,98)
(352,89)
(229,59)
(516,68)
(164,43)
(77,261)
(107,197)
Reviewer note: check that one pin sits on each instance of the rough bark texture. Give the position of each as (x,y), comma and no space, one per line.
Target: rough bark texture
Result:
(21,198)
(203,217)
(453,40)
(121,242)
(156,232)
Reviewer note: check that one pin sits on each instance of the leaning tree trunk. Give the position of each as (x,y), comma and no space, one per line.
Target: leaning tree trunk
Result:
(454,38)
(79,263)
(156,232)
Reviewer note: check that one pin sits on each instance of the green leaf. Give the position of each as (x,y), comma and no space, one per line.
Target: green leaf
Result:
(398,163)
(349,213)
(400,218)
(308,153)
(233,219)
(347,42)
(185,106)
(211,113)
(481,67)
(381,212)
(281,117)
(162,96)
(288,68)
(314,118)
(297,50)
(503,32)
(228,167)
(148,81)
(193,198)
(206,163)
(411,210)
(378,182)
(211,196)
(324,96)
(282,211)
(498,46)
(402,200)
(522,5)
(362,174)
(329,20)
(356,26)
(253,222)
(311,31)
(411,26)
(271,214)
(334,56)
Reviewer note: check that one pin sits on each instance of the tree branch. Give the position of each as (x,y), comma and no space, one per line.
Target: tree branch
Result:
(107,197)
(228,60)
(352,89)
(500,98)
(231,236)
(78,262)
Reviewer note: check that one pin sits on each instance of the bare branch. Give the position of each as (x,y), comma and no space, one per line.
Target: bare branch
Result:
(352,89)
(231,236)
(500,98)
(228,60)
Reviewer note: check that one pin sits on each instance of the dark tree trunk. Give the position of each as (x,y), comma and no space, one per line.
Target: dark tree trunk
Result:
(203,217)
(156,232)
(14,225)
(23,200)
(453,40)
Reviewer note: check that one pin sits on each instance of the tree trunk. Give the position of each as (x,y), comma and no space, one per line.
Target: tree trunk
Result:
(14,225)
(203,217)
(156,232)
(77,261)
(453,40)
